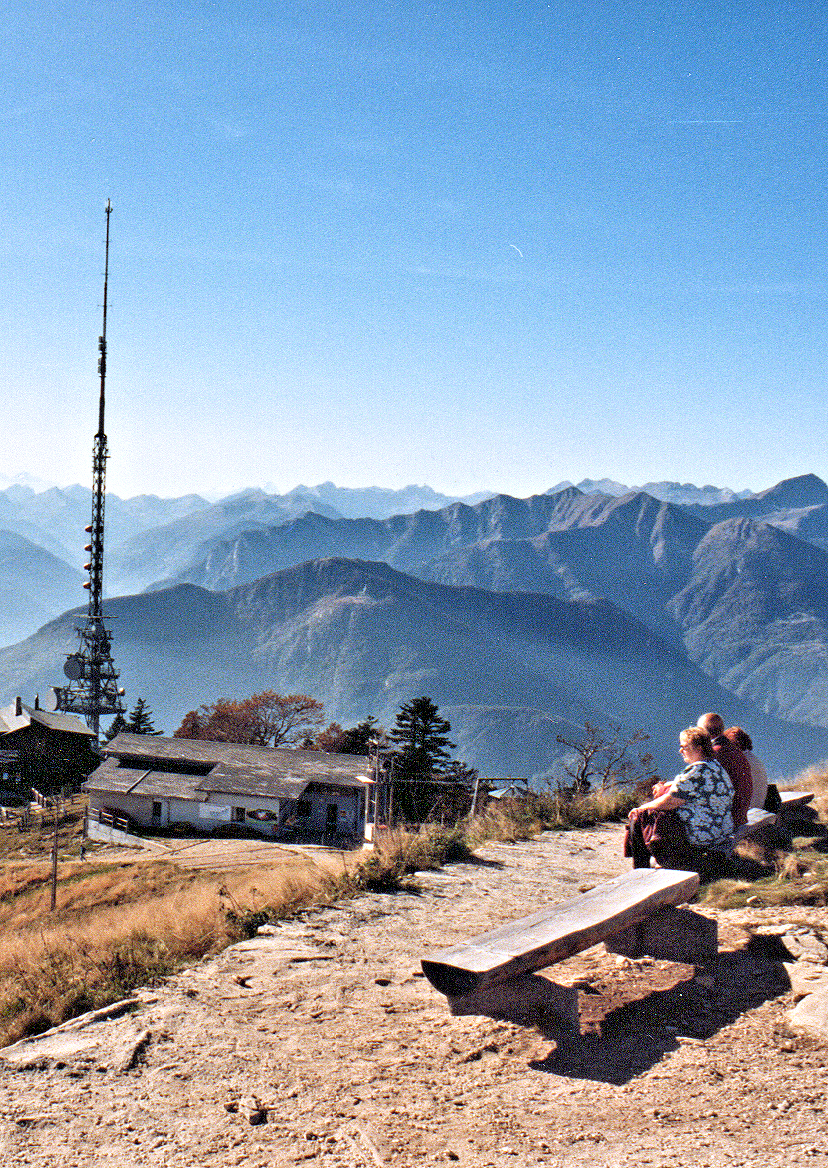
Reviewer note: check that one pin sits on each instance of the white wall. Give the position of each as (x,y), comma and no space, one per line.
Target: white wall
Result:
(139,809)
(347,800)
(348,811)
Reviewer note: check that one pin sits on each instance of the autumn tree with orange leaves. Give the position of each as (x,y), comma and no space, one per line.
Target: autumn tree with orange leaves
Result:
(264,719)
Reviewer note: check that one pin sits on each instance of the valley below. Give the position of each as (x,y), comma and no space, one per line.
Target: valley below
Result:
(321,1043)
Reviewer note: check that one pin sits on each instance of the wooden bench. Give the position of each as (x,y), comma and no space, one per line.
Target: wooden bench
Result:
(756,820)
(794,803)
(634,915)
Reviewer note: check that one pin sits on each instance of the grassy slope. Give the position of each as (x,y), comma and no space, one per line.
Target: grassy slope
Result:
(120,925)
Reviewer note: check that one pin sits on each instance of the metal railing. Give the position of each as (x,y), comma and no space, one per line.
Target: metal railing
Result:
(108,819)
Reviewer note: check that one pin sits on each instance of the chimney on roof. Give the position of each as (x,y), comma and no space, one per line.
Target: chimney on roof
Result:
(18,708)
(37,701)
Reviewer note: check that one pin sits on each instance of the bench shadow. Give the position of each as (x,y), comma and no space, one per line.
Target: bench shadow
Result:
(633,1036)
(816,832)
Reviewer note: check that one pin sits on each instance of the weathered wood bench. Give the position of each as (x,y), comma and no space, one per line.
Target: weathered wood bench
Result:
(756,820)
(634,915)
(794,803)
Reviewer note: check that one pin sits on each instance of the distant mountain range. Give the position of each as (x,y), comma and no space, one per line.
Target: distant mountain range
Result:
(685,494)
(509,670)
(34,585)
(519,616)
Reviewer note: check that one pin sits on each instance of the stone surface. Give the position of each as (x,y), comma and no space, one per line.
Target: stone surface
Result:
(250,1106)
(811,1014)
(102,1039)
(803,943)
(806,977)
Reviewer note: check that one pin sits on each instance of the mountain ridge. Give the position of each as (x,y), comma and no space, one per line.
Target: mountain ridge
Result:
(559,608)
(364,638)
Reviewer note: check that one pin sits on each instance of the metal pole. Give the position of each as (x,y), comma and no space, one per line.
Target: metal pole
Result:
(391,792)
(474,796)
(55,854)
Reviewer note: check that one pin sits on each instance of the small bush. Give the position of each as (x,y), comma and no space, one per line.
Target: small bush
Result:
(534,811)
(400,852)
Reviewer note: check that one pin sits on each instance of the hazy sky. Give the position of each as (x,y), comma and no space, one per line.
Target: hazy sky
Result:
(488,245)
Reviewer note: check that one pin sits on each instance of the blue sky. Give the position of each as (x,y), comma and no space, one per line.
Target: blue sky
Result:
(480,246)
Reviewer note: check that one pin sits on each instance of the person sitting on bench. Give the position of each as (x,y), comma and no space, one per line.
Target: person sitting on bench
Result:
(734,762)
(758,774)
(687,819)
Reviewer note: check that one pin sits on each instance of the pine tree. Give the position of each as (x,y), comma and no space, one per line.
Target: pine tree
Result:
(422,750)
(420,733)
(119,724)
(357,740)
(140,720)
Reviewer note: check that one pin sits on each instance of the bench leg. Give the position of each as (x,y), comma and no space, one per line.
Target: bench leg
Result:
(670,934)
(527,1000)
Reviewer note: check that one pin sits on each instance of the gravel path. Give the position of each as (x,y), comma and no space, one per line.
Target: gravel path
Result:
(328,1034)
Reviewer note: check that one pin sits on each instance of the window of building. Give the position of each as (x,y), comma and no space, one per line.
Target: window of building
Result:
(304,809)
(156,810)
(238,814)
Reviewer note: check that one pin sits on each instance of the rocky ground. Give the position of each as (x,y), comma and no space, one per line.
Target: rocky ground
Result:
(322,1044)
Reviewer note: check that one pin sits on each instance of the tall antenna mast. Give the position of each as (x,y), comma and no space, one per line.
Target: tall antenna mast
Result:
(93,680)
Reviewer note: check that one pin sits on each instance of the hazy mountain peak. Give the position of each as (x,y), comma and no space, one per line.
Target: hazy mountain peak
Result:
(562,490)
(668,491)
(379,502)
(30,482)
(806,490)
(602,487)
(685,493)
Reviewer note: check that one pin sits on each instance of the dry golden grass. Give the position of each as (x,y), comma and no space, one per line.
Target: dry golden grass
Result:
(801,879)
(814,778)
(37,840)
(512,819)
(128,924)
(82,890)
(798,875)
(402,851)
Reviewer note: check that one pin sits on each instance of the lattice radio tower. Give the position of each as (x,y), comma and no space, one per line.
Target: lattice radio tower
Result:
(93,680)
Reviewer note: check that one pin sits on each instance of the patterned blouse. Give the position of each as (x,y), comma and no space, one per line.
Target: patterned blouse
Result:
(707,813)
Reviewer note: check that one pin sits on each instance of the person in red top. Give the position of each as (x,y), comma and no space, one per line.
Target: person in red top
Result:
(734,762)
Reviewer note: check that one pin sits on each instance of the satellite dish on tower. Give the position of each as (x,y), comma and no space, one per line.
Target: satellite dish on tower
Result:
(73,667)
(51,701)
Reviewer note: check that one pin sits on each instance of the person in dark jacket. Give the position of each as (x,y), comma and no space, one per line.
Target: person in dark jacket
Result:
(734,762)
(758,774)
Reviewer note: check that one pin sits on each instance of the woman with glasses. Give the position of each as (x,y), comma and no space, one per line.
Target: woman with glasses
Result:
(688,824)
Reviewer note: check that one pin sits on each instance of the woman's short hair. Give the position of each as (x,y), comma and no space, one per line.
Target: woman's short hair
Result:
(699,740)
(739,737)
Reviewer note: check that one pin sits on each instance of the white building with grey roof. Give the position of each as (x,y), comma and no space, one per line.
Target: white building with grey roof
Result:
(152,782)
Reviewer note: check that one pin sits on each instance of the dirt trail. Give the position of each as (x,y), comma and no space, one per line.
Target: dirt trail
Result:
(328,1033)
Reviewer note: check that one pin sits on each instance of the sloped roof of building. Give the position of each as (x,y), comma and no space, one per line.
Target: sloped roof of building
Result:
(231,768)
(53,720)
(112,778)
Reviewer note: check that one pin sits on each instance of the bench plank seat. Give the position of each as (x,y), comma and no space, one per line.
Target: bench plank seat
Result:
(756,820)
(538,941)
(795,798)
